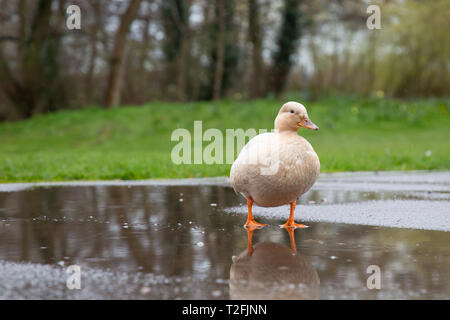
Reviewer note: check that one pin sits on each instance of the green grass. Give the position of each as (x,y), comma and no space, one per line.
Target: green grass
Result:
(134,142)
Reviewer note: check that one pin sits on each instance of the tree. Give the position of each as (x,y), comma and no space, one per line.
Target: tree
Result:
(95,6)
(220,53)
(256,86)
(33,86)
(287,39)
(224,50)
(176,44)
(112,94)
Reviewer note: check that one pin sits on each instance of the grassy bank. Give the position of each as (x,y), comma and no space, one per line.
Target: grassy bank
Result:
(134,142)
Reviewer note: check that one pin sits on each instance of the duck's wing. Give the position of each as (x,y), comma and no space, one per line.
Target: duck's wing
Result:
(250,160)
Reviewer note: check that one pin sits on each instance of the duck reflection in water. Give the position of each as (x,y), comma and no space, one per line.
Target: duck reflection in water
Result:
(270,270)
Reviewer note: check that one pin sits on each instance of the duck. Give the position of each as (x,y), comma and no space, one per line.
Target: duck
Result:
(276,168)
(269,270)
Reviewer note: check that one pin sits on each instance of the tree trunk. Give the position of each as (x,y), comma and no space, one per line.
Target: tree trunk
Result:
(175,15)
(38,89)
(183,55)
(203,44)
(93,55)
(143,56)
(287,39)
(182,67)
(256,86)
(218,74)
(112,95)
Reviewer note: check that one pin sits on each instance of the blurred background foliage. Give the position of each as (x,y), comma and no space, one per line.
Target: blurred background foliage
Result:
(134,142)
(136,51)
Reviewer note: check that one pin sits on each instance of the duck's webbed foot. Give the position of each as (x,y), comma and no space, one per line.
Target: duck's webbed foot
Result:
(290,223)
(253,224)
(293,225)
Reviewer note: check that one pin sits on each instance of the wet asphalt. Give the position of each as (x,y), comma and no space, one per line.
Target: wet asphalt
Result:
(179,239)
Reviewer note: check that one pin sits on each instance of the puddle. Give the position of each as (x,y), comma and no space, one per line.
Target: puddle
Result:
(183,242)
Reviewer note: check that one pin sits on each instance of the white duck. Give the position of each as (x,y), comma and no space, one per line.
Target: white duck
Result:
(276,168)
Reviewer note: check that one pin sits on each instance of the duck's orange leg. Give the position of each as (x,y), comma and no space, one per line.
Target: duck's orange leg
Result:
(290,222)
(292,238)
(251,223)
(249,240)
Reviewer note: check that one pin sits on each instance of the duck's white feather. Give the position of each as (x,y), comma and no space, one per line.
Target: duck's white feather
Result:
(275,168)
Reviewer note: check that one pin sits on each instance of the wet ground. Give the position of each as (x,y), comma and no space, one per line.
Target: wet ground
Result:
(183,239)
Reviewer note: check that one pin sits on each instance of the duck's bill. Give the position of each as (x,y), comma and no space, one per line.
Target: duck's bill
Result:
(306,123)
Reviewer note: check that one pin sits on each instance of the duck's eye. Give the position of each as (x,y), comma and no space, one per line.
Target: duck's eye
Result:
(292,111)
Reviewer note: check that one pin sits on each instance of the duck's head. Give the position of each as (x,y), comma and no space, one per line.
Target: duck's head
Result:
(293,116)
